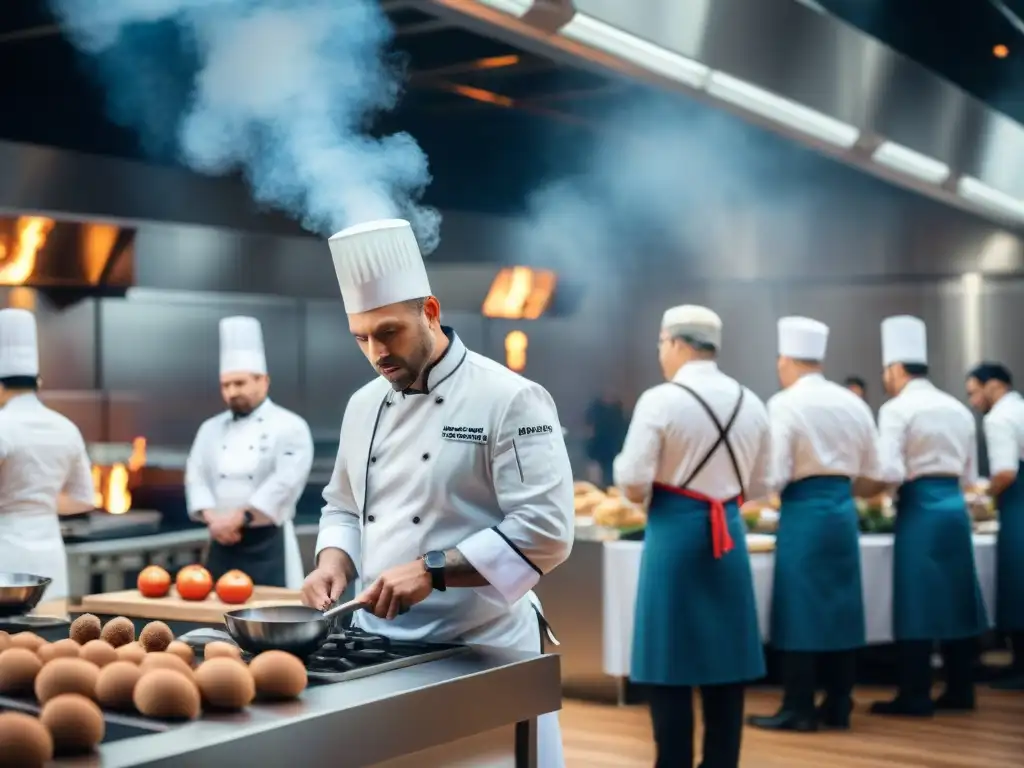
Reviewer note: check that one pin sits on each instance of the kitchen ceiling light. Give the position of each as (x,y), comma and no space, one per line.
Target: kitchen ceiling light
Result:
(900,158)
(588,31)
(513,7)
(789,113)
(982,194)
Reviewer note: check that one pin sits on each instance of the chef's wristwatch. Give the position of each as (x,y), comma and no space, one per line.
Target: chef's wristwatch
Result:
(433,563)
(247,518)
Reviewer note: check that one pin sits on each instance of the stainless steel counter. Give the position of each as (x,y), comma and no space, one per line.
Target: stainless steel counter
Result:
(476,706)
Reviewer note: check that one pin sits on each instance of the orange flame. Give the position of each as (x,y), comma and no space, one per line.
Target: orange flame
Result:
(138,458)
(18,263)
(119,500)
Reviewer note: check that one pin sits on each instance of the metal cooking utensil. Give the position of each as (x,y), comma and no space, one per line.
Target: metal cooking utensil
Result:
(296,629)
(21,592)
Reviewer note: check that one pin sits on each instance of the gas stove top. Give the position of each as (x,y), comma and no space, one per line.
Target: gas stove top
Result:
(350,653)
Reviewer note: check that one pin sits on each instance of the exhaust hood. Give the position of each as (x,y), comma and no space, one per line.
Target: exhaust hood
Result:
(791,67)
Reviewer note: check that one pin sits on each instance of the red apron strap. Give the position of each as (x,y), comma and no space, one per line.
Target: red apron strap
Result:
(721,539)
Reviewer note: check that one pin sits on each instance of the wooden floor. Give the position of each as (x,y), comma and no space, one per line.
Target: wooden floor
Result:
(598,735)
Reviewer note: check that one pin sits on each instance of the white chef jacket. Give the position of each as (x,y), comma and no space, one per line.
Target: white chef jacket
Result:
(42,455)
(476,461)
(820,428)
(260,462)
(670,433)
(1004,433)
(925,431)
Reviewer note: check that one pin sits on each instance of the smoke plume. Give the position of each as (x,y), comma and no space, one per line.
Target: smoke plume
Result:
(284,90)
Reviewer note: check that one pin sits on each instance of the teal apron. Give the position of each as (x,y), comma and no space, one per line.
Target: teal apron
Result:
(696,616)
(817,598)
(1010,557)
(936,595)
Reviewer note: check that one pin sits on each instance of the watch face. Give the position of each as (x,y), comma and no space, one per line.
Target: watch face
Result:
(434,559)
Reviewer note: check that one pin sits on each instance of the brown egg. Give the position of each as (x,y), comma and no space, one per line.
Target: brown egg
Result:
(218,649)
(118,632)
(225,684)
(24,742)
(75,723)
(99,652)
(18,670)
(155,636)
(62,649)
(29,640)
(183,651)
(167,694)
(278,675)
(132,652)
(116,684)
(66,676)
(85,628)
(165,660)
(5,641)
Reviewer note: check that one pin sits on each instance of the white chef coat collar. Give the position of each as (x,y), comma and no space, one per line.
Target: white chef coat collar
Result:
(445,365)
(695,368)
(27,400)
(1005,400)
(917,384)
(810,378)
(258,412)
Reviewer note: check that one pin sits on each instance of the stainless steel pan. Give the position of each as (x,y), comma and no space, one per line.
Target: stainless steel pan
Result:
(20,592)
(293,628)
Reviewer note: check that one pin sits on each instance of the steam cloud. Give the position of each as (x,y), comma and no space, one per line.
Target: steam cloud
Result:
(669,175)
(283,89)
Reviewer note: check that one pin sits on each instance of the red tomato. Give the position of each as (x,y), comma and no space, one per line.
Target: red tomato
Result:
(234,587)
(154,581)
(194,582)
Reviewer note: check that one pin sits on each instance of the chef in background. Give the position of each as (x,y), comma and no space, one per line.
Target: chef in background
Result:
(694,444)
(990,389)
(858,386)
(44,468)
(452,493)
(823,439)
(927,447)
(248,467)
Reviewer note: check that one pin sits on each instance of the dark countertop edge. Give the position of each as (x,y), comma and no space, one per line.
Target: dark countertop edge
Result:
(367,720)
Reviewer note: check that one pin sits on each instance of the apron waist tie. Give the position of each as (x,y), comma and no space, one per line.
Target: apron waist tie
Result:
(721,539)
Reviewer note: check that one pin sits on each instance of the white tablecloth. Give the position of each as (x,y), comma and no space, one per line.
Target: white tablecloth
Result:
(622,569)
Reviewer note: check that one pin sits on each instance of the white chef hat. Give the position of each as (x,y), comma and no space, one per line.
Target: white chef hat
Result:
(697,323)
(802,338)
(377,264)
(904,340)
(241,346)
(19,344)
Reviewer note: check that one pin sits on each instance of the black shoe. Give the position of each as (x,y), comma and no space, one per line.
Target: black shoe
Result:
(954,703)
(1015,683)
(784,721)
(903,707)
(833,717)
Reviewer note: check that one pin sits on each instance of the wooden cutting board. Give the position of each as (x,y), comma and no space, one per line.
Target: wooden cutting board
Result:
(173,608)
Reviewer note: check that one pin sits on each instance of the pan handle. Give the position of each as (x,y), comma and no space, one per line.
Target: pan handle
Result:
(344,609)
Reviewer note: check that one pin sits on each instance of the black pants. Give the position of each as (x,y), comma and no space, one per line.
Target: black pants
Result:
(672,717)
(915,674)
(804,674)
(260,555)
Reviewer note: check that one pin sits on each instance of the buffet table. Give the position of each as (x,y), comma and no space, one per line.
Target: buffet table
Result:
(621,568)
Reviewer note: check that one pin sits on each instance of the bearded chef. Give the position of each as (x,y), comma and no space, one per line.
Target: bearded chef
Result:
(823,439)
(694,444)
(927,447)
(452,492)
(44,468)
(990,389)
(248,467)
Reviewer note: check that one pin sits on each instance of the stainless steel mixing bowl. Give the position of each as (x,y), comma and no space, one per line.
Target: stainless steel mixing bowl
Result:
(21,592)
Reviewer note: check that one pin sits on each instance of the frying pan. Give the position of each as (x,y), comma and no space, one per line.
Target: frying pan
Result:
(20,593)
(293,628)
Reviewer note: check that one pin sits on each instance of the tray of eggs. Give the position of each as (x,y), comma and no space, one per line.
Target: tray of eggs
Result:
(63,689)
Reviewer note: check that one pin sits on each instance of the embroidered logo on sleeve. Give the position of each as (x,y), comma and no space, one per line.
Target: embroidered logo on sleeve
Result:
(465,434)
(540,429)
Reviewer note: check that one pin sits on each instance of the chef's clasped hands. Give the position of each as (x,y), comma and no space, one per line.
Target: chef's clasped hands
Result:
(397,589)
(226,528)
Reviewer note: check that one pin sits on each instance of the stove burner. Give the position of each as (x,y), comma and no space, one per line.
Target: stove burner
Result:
(354,649)
(31,623)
